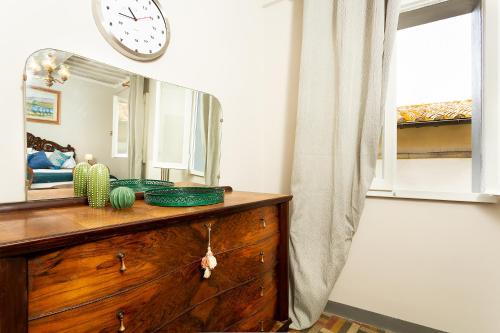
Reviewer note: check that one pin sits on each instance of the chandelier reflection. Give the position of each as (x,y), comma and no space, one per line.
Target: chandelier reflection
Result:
(48,70)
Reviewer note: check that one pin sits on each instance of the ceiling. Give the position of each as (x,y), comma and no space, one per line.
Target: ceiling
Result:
(96,71)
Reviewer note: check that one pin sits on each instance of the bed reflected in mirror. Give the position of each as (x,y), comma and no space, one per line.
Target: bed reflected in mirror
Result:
(79,110)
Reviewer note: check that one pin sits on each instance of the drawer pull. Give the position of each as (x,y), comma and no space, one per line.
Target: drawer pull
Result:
(262,256)
(121,256)
(208,262)
(262,326)
(261,291)
(121,317)
(263,222)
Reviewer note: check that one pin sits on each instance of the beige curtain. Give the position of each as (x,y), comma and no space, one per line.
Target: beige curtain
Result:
(346,49)
(213,144)
(136,127)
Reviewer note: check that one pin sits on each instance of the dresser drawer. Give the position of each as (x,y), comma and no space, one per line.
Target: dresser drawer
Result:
(222,311)
(85,273)
(231,231)
(262,321)
(152,304)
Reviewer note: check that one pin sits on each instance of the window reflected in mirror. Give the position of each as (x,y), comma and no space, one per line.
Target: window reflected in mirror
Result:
(119,135)
(79,110)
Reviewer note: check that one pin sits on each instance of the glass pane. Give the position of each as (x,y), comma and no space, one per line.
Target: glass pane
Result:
(434,98)
(173,113)
(122,135)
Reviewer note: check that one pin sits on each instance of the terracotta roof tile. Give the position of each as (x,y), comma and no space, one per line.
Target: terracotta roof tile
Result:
(435,112)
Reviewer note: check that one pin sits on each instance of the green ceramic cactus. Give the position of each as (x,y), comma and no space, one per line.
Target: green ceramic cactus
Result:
(122,197)
(98,186)
(80,175)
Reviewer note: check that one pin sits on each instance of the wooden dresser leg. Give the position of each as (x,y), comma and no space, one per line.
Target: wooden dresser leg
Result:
(284,217)
(13,295)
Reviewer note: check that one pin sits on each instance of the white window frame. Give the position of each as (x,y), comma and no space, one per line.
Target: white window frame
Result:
(490,11)
(183,165)
(489,173)
(385,182)
(194,122)
(114,134)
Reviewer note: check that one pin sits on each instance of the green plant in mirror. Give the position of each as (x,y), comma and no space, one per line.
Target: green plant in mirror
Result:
(98,186)
(122,197)
(80,175)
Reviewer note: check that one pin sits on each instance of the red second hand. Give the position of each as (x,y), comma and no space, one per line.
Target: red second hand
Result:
(142,18)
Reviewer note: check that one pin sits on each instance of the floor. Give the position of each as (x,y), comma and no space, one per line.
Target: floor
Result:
(329,323)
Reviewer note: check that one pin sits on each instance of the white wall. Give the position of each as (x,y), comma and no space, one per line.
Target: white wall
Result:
(431,263)
(244,52)
(86,122)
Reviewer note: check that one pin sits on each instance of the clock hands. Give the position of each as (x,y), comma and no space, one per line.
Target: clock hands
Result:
(131,12)
(133,16)
(127,16)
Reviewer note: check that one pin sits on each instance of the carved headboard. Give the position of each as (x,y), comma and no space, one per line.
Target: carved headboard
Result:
(38,143)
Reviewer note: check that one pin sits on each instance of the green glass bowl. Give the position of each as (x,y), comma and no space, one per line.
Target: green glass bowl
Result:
(184,196)
(140,185)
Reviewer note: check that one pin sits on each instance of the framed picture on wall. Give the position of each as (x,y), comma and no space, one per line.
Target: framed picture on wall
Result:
(43,105)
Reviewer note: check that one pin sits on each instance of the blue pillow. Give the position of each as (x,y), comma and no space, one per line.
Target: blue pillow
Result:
(39,161)
(57,159)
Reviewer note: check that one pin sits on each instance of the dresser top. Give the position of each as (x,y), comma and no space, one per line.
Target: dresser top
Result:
(34,230)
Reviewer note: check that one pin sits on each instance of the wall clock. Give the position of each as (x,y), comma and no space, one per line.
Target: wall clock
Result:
(135,28)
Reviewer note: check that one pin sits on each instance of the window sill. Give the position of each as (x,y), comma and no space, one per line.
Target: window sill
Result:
(435,196)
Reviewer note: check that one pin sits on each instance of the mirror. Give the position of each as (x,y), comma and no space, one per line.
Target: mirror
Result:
(77,109)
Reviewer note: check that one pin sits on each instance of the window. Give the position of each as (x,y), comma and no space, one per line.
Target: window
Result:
(180,134)
(119,135)
(434,106)
(173,111)
(430,145)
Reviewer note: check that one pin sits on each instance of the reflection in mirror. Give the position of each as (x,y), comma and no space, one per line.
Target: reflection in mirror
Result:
(78,109)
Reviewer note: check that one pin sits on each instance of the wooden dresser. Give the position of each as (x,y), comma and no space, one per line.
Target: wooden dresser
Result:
(78,269)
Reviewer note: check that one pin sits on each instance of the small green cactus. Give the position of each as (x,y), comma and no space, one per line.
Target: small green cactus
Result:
(98,186)
(122,197)
(80,175)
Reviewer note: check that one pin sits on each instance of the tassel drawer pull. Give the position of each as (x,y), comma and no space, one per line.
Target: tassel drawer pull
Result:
(262,256)
(208,262)
(262,326)
(121,256)
(261,291)
(121,317)
(263,222)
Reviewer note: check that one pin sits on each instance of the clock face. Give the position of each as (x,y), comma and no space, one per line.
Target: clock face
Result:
(136,28)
